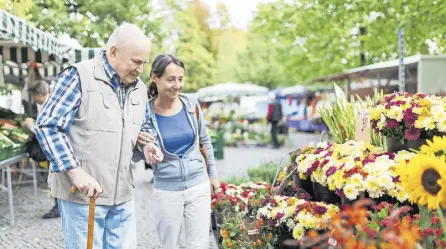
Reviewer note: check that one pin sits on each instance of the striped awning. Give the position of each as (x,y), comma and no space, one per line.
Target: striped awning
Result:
(21,42)
(85,54)
(15,73)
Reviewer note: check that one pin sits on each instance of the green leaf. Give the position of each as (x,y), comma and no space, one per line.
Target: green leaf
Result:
(383,213)
(374,225)
(425,217)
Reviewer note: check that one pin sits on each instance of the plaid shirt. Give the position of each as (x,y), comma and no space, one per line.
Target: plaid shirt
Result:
(59,112)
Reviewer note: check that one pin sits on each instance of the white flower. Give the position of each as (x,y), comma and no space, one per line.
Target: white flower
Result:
(429,124)
(290,223)
(396,113)
(321,145)
(438,112)
(441,125)
(351,191)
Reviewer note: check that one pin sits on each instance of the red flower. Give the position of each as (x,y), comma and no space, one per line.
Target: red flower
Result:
(428,231)
(412,133)
(435,220)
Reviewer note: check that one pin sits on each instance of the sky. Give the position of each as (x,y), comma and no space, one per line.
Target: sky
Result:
(241,11)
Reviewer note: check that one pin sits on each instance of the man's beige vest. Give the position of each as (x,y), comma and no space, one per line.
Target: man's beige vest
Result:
(103,136)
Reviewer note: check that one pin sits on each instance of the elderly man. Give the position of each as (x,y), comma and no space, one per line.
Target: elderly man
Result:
(88,129)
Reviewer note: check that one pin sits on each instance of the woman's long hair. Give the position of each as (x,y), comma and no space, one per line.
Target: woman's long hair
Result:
(159,66)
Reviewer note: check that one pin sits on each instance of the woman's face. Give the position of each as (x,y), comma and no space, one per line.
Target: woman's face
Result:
(170,84)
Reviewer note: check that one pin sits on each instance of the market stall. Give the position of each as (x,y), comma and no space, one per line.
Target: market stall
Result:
(423,74)
(21,43)
(375,182)
(26,54)
(299,105)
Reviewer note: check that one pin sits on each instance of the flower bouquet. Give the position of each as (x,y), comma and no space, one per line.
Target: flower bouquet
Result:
(406,116)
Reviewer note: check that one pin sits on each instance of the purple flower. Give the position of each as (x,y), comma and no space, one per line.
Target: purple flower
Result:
(279,215)
(392,123)
(396,179)
(412,133)
(390,155)
(409,117)
(271,223)
(331,171)
(320,210)
(312,168)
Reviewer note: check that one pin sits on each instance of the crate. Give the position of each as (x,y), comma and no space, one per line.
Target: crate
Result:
(17,150)
(5,153)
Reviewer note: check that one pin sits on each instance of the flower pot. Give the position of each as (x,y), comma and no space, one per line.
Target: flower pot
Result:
(218,222)
(394,145)
(346,201)
(218,216)
(415,144)
(322,193)
(306,185)
(213,221)
(291,244)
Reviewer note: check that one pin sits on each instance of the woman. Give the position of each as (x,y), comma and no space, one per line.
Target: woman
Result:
(181,188)
(40,92)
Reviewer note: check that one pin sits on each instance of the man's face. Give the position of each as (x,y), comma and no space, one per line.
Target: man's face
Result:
(129,61)
(39,98)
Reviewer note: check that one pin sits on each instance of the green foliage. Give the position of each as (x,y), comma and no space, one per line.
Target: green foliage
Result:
(264,173)
(318,38)
(92,21)
(236,180)
(193,45)
(20,8)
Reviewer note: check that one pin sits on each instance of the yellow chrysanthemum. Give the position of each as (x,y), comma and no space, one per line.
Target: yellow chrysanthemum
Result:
(425,102)
(425,180)
(437,145)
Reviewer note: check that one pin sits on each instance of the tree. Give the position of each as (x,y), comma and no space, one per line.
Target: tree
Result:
(190,36)
(92,21)
(260,63)
(231,44)
(316,38)
(20,8)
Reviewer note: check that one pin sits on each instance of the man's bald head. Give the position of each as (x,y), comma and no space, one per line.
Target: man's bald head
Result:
(128,49)
(125,34)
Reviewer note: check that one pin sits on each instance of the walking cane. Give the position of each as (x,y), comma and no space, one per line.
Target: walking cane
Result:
(90,219)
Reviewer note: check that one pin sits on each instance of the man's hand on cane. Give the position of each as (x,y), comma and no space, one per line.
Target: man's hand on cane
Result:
(84,183)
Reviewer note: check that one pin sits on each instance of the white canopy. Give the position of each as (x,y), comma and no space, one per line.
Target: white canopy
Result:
(298,89)
(231,89)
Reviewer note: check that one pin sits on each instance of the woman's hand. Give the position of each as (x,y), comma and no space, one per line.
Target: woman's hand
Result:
(153,154)
(215,185)
(145,138)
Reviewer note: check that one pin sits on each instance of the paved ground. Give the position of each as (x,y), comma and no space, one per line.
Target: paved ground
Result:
(31,232)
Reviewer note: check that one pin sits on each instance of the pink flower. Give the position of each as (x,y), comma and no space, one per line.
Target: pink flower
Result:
(409,117)
(321,210)
(412,133)
(392,123)
(279,215)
